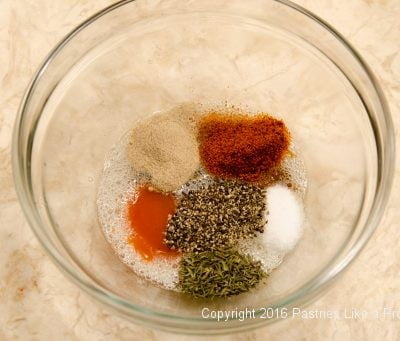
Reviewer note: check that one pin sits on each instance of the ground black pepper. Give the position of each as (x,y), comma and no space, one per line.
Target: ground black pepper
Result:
(215,213)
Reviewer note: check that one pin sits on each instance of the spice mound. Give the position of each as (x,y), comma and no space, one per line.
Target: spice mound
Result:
(164,148)
(218,273)
(240,146)
(214,213)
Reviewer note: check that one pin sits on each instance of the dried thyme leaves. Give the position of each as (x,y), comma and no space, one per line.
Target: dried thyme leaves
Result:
(219,273)
(215,214)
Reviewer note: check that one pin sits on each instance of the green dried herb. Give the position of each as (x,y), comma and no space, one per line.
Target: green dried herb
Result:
(219,273)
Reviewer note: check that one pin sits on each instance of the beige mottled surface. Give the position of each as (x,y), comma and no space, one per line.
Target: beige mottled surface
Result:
(37,302)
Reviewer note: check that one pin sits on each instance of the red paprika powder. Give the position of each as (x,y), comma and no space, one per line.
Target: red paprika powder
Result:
(238,146)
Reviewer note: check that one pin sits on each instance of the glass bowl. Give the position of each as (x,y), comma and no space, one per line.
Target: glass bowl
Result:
(136,57)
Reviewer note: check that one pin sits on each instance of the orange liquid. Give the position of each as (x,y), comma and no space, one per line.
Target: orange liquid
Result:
(149,216)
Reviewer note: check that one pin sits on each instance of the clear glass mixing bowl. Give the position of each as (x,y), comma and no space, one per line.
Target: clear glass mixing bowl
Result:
(137,57)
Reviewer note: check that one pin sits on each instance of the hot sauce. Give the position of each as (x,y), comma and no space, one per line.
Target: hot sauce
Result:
(148,216)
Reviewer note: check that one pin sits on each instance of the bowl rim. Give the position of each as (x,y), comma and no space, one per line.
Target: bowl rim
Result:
(304,295)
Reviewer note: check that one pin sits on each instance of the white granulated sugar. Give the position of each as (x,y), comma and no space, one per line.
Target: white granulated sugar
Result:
(117,187)
(284,216)
(284,220)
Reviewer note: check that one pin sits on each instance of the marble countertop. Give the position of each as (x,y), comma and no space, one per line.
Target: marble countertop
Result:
(37,302)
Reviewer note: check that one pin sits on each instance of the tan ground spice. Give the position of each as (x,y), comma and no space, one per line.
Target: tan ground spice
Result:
(164,147)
